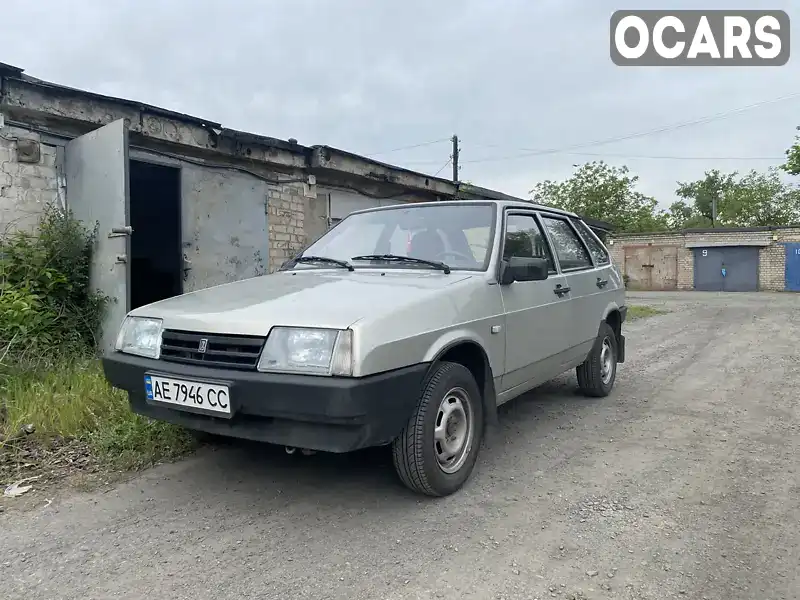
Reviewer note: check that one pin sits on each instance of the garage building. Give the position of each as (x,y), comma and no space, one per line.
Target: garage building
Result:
(717,260)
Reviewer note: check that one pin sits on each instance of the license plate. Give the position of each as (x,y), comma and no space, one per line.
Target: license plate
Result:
(189,395)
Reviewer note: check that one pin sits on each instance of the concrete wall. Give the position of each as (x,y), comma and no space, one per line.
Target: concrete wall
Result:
(25,187)
(772,253)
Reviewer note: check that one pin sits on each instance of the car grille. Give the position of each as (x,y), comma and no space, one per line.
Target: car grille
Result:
(229,351)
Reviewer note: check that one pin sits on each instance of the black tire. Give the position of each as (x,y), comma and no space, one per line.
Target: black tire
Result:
(591,380)
(415,453)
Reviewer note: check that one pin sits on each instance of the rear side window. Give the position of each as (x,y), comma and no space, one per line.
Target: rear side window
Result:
(596,249)
(571,252)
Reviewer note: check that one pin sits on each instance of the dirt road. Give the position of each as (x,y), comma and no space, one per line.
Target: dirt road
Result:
(682,484)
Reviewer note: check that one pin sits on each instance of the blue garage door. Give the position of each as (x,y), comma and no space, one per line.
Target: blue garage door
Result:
(793,267)
(726,269)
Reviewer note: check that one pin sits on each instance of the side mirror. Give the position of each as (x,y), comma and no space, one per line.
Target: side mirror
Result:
(522,268)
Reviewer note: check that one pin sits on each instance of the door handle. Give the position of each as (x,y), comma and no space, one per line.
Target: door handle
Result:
(560,291)
(602,282)
(120,231)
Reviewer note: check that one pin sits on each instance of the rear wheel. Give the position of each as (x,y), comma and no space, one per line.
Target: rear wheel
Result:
(597,374)
(437,450)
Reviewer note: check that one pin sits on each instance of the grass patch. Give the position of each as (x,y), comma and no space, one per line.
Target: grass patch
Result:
(71,405)
(641,311)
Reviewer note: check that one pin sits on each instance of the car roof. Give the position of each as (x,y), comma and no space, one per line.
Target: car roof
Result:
(499,203)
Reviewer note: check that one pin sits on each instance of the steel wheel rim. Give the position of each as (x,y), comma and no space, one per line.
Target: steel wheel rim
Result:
(606,361)
(453,430)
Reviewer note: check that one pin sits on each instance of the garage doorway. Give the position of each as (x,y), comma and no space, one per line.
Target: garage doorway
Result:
(156,263)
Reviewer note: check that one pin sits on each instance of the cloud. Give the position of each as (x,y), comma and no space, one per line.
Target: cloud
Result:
(369,76)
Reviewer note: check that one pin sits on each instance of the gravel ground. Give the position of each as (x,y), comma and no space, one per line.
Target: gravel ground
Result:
(682,484)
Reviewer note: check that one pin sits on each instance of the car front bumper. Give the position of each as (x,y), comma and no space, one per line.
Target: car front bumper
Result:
(332,414)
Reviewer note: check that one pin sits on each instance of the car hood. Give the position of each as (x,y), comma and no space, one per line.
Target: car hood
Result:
(303,298)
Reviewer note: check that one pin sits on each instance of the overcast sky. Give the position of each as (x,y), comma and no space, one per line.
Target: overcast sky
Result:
(508,76)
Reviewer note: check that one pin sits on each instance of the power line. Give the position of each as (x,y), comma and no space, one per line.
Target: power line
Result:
(524,153)
(672,127)
(430,143)
(628,156)
(449,160)
(665,157)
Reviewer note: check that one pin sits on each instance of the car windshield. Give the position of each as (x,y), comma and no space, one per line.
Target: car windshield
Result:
(458,235)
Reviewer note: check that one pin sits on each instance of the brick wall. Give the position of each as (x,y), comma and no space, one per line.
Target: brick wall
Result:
(772,253)
(286,209)
(25,187)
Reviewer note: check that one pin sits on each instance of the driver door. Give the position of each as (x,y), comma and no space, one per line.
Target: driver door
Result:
(535,314)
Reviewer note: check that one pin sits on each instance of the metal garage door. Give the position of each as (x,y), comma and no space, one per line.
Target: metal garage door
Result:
(651,267)
(726,269)
(793,267)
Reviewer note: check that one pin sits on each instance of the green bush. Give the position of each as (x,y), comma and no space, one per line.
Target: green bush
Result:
(47,306)
(50,377)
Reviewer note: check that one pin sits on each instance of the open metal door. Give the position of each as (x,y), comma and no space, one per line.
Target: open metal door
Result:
(97,195)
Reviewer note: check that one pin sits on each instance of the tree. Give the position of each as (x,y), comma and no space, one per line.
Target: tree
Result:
(600,191)
(705,193)
(763,199)
(751,200)
(683,215)
(792,165)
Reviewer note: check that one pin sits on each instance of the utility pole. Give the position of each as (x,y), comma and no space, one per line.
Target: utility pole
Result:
(455,158)
(714,210)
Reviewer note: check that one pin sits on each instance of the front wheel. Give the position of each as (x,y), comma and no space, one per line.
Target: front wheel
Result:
(598,372)
(437,450)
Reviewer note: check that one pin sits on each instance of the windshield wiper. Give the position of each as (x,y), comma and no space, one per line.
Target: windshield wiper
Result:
(324,259)
(409,259)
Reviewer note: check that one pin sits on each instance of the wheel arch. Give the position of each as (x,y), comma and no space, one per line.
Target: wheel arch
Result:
(471,354)
(613,316)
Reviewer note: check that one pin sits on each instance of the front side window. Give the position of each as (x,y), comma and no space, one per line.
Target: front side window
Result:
(571,252)
(459,235)
(524,239)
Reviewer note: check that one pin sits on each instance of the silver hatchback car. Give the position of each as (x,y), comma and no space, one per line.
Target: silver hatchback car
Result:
(404,325)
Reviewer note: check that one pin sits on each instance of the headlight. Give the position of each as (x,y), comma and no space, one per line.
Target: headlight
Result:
(312,351)
(141,336)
